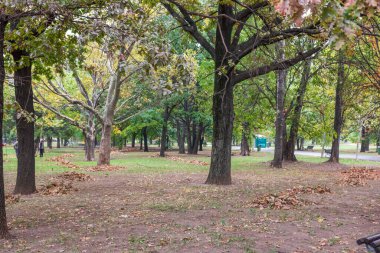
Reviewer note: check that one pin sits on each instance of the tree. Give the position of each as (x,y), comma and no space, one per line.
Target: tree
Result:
(3,217)
(293,134)
(227,52)
(280,118)
(338,118)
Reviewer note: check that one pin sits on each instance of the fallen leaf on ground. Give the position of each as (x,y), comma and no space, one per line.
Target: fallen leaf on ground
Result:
(74,176)
(61,160)
(104,168)
(11,199)
(358,176)
(57,188)
(287,199)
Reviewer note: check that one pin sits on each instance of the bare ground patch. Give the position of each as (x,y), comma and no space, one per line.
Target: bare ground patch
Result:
(176,212)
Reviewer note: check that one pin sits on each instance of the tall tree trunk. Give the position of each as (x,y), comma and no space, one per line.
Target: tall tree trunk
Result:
(3,217)
(105,145)
(293,134)
(36,145)
(338,117)
(25,182)
(50,142)
(223,102)
(201,141)
(89,147)
(145,135)
(109,113)
(281,83)
(188,136)
(363,140)
(244,147)
(134,140)
(164,131)
(180,137)
(58,142)
(89,135)
(141,141)
(198,137)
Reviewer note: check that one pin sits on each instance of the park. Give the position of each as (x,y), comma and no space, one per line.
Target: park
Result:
(190,126)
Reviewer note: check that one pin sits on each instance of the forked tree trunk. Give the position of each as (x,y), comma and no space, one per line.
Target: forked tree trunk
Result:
(109,113)
(281,83)
(338,117)
(244,147)
(223,102)
(293,135)
(25,182)
(3,217)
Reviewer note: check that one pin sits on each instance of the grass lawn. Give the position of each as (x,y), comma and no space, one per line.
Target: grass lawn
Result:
(143,203)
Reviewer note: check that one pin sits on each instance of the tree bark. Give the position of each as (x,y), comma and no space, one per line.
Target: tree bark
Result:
(89,146)
(58,142)
(133,140)
(244,147)
(145,136)
(180,137)
(293,135)
(105,145)
(164,131)
(281,83)
(109,113)
(197,140)
(223,102)
(338,117)
(4,233)
(25,182)
(50,142)
(201,141)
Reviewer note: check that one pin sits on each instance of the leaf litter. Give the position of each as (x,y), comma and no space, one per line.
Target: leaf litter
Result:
(358,176)
(63,183)
(287,199)
(179,159)
(62,160)
(104,168)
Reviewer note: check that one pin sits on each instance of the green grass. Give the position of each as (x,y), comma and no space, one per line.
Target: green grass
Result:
(138,162)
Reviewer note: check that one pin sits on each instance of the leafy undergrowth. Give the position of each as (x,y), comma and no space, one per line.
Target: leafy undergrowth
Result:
(287,199)
(358,176)
(62,160)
